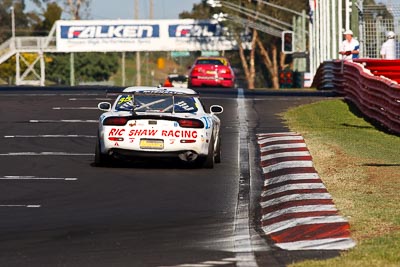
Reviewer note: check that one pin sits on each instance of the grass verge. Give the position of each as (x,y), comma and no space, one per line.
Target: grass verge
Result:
(360,166)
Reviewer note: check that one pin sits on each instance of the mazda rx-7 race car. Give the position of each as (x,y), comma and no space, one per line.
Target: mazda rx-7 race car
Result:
(153,122)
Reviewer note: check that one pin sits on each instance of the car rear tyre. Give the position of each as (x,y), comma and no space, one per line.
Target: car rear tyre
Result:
(100,159)
(210,159)
(218,151)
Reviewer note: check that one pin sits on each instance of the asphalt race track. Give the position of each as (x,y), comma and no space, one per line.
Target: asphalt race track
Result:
(57,209)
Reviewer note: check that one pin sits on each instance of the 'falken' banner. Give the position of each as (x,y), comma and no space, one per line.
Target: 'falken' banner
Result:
(142,35)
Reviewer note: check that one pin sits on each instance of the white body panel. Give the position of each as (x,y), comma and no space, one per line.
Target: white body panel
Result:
(158,132)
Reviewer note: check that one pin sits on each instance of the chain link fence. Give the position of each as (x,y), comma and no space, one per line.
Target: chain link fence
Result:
(380,19)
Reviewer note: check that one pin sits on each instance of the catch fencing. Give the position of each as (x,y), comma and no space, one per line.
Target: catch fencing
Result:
(370,84)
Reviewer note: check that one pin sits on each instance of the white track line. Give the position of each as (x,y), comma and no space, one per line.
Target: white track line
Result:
(36,178)
(90,99)
(20,206)
(243,246)
(68,121)
(74,108)
(45,154)
(50,136)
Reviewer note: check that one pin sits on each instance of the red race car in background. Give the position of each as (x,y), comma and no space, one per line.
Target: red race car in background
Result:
(211,71)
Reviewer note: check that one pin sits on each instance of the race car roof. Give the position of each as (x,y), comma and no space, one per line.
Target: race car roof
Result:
(159,90)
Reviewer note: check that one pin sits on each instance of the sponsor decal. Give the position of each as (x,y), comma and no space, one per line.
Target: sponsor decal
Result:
(164,133)
(194,30)
(116,132)
(183,106)
(110,31)
(142,132)
(179,133)
(207,121)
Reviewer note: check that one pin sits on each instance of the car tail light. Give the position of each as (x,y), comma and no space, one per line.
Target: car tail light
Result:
(119,121)
(190,123)
(197,69)
(226,70)
(185,141)
(115,138)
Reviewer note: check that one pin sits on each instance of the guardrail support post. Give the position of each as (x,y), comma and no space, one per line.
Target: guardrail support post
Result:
(17,69)
(42,69)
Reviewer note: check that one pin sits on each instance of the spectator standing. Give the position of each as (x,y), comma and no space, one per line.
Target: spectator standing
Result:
(388,49)
(350,47)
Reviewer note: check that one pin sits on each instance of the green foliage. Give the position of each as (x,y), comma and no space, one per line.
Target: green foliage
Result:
(52,13)
(88,67)
(199,11)
(21,19)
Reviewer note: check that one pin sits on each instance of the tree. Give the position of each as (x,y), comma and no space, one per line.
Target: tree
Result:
(21,20)
(199,11)
(76,9)
(46,20)
(88,67)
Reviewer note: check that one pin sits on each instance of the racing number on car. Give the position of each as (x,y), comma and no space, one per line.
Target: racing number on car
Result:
(125,99)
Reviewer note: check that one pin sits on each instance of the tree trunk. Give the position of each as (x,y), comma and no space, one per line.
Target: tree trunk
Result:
(248,67)
(271,65)
(252,70)
(75,6)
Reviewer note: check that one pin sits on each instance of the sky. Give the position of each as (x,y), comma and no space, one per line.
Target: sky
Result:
(125,9)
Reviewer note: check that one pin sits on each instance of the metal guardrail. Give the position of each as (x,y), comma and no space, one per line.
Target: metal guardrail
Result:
(377,97)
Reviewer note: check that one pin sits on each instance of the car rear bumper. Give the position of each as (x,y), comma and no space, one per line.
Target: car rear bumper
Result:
(224,82)
(185,155)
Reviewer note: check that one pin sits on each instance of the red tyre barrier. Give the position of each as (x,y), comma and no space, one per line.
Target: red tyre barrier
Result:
(370,84)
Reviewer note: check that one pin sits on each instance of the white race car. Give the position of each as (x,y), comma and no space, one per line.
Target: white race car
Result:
(159,122)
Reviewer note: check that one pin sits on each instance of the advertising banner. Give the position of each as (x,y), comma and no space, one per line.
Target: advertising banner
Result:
(142,35)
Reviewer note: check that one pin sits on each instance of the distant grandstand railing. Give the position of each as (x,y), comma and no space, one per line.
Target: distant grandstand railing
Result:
(26,44)
(362,83)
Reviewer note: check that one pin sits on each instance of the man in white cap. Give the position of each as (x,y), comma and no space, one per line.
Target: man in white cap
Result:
(388,49)
(350,47)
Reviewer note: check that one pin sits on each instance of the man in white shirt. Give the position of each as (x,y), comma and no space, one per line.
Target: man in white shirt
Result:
(350,47)
(388,49)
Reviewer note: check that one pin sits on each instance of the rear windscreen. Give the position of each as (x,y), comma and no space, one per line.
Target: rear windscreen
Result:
(157,103)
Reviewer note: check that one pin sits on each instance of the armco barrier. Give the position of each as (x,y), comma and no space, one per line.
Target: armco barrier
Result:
(370,84)
(329,76)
